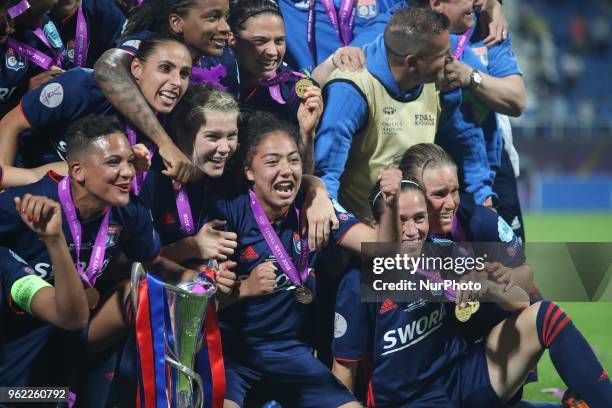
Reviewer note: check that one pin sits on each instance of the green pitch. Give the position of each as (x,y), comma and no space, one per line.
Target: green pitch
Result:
(593,319)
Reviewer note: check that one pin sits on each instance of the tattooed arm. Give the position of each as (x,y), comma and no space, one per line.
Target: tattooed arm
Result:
(115,79)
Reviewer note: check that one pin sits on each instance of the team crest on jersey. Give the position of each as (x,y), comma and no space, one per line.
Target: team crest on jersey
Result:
(301,4)
(113,235)
(366,9)
(482,54)
(503,229)
(70,50)
(14,61)
(297,243)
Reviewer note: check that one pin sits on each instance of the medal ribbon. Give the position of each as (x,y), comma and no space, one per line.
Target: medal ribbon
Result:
(343,24)
(96,260)
(31,54)
(81,40)
(274,83)
(297,275)
(140,177)
(184,211)
(18,9)
(462,43)
(450,294)
(43,37)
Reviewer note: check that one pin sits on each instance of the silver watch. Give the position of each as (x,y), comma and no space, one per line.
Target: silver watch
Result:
(475,79)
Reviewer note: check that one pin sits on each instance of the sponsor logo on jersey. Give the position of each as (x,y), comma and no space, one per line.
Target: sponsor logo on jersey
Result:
(415,331)
(424,119)
(340,326)
(415,305)
(14,61)
(387,306)
(249,253)
(52,95)
(366,9)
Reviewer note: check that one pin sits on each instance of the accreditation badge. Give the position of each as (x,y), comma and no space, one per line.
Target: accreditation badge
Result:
(367,9)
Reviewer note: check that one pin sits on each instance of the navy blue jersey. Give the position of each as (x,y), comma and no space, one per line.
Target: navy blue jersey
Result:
(16,71)
(409,345)
(480,224)
(157,192)
(52,107)
(252,99)
(223,70)
(21,335)
(371,17)
(130,230)
(105,22)
(277,316)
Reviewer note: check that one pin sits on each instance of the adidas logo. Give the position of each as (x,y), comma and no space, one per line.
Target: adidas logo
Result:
(249,253)
(387,306)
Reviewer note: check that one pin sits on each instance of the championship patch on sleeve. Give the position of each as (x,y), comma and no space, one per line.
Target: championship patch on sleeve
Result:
(24,289)
(340,326)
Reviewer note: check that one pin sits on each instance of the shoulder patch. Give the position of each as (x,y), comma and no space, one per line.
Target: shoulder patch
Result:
(340,326)
(52,95)
(503,229)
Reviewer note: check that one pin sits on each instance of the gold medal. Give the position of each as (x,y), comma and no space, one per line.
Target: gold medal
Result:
(463,314)
(475,305)
(93,297)
(302,86)
(303,295)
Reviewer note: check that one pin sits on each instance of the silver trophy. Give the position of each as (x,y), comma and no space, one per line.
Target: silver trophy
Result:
(186,305)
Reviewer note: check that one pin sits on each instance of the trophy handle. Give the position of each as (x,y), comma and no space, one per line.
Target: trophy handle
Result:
(137,275)
(192,375)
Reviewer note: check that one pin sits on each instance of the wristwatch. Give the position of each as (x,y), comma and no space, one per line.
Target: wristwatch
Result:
(475,79)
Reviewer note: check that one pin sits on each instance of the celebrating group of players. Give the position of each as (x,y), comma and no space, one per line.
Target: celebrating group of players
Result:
(274,137)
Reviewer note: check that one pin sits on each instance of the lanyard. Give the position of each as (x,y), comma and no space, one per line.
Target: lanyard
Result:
(81,40)
(297,275)
(342,22)
(96,260)
(274,83)
(462,43)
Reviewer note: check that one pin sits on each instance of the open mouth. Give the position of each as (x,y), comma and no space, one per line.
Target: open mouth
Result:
(268,65)
(218,160)
(284,188)
(446,217)
(219,42)
(168,97)
(124,187)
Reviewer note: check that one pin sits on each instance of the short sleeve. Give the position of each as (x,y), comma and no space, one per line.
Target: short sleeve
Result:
(351,325)
(63,99)
(131,43)
(502,61)
(346,220)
